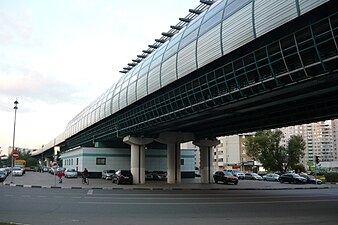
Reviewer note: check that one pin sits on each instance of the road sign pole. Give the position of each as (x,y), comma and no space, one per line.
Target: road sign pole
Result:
(15,108)
(315,172)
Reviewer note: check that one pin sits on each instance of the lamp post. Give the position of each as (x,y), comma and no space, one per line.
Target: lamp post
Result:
(15,108)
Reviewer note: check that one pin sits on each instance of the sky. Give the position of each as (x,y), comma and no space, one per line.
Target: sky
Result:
(57,56)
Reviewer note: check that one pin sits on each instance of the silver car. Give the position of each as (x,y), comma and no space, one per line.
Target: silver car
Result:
(108,174)
(271,177)
(17,171)
(70,173)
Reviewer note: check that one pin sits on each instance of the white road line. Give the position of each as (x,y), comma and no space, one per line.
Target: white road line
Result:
(90,192)
(203,203)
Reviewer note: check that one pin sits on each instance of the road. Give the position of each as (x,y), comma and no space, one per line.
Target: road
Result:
(236,207)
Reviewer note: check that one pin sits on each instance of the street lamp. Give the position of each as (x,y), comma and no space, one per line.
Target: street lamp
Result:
(15,108)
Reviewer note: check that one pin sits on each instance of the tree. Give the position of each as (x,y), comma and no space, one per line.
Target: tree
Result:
(265,147)
(30,161)
(295,150)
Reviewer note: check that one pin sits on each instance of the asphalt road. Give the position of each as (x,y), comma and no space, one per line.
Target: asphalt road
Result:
(146,207)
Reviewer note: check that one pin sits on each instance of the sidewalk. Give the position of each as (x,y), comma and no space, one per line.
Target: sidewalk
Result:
(46,180)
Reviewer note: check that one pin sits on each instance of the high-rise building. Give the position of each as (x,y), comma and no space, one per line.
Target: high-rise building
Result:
(231,153)
(318,138)
(334,126)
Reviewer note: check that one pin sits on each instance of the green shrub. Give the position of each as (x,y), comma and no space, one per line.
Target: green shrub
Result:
(331,177)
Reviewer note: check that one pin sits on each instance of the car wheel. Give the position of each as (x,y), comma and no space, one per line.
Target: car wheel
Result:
(282,181)
(117,182)
(295,182)
(236,182)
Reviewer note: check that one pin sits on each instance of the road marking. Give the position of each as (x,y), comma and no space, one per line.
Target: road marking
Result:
(90,192)
(59,196)
(204,203)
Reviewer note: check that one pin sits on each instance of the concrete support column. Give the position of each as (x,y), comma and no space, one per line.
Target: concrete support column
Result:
(206,158)
(173,140)
(173,163)
(137,157)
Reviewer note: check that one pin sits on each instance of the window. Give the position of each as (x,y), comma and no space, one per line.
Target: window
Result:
(182,161)
(100,161)
(77,161)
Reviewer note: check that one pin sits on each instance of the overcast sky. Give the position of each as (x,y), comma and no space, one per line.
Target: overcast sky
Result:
(56,56)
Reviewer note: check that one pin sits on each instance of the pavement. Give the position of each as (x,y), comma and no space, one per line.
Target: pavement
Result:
(46,180)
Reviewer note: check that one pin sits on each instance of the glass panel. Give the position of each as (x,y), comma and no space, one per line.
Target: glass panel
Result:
(188,39)
(233,6)
(211,23)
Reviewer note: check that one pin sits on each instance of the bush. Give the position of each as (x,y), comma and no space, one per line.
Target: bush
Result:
(331,177)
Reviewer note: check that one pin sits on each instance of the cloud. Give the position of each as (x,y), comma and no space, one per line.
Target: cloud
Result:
(22,82)
(16,29)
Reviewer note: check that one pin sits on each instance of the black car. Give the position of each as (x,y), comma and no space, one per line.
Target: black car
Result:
(225,177)
(3,176)
(311,179)
(292,178)
(123,177)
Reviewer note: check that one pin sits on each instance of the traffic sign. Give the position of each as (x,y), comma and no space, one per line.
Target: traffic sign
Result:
(15,155)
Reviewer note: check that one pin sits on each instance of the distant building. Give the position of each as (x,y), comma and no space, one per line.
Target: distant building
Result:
(231,154)
(334,126)
(19,149)
(318,137)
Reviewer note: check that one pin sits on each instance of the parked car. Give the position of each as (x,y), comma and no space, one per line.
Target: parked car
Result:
(5,171)
(17,171)
(239,175)
(108,174)
(252,176)
(152,175)
(69,173)
(311,179)
(292,178)
(225,177)
(271,177)
(45,169)
(3,175)
(123,177)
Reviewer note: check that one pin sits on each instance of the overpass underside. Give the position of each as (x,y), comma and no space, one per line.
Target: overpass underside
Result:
(286,77)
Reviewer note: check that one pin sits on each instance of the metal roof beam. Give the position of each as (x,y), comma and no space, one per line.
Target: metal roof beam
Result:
(153,46)
(207,2)
(148,51)
(167,34)
(187,20)
(160,40)
(196,11)
(176,27)
(142,56)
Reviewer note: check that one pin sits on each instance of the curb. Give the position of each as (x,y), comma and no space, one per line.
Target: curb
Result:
(164,188)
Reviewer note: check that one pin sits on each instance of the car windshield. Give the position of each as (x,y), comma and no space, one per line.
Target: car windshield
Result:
(17,168)
(227,173)
(71,170)
(110,171)
(125,172)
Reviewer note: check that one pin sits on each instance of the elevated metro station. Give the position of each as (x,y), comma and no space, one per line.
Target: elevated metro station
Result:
(229,66)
